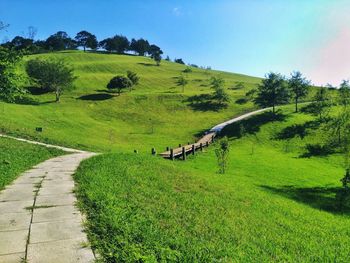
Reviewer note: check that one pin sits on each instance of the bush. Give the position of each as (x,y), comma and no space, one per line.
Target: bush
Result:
(187,70)
(133,77)
(118,83)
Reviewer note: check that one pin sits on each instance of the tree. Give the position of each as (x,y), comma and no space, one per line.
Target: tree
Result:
(157,58)
(86,40)
(60,41)
(179,60)
(299,86)
(338,126)
(133,77)
(107,44)
(118,83)
(118,43)
(9,78)
(182,81)
(121,43)
(156,53)
(20,43)
(140,46)
(217,83)
(344,93)
(222,152)
(51,75)
(272,91)
(167,58)
(321,103)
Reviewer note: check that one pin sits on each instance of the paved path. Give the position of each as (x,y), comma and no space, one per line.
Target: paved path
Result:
(208,137)
(38,218)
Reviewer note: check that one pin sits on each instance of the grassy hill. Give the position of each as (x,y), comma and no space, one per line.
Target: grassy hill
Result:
(274,204)
(155,114)
(277,202)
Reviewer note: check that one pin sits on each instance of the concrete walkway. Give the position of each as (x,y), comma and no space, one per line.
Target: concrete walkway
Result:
(38,218)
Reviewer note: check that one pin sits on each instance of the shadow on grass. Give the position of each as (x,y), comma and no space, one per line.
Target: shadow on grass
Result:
(37,90)
(242,101)
(205,102)
(335,200)
(251,125)
(147,64)
(317,150)
(96,97)
(300,130)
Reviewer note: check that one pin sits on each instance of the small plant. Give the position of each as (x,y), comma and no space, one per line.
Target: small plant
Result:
(187,70)
(181,81)
(239,85)
(133,77)
(222,152)
(119,83)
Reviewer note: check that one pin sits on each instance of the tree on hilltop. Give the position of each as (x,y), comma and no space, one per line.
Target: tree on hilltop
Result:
(118,43)
(155,53)
(86,40)
(59,41)
(140,46)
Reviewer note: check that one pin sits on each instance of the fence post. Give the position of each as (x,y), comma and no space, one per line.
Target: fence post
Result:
(183,153)
(207,143)
(180,145)
(201,146)
(154,151)
(212,138)
(167,148)
(172,154)
(193,149)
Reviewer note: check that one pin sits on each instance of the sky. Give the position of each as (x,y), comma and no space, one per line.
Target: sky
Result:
(251,37)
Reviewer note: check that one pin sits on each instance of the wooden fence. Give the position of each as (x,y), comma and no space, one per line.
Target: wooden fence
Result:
(183,151)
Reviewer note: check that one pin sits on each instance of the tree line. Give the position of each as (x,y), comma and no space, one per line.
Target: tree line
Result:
(83,39)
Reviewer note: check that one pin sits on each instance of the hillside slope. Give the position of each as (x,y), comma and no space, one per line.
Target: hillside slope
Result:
(272,205)
(155,114)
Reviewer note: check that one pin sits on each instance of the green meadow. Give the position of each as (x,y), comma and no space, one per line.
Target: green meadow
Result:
(277,202)
(155,114)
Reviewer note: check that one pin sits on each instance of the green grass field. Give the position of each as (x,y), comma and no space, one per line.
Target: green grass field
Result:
(272,205)
(277,202)
(155,114)
(16,157)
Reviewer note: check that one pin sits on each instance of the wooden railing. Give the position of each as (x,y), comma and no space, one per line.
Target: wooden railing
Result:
(183,151)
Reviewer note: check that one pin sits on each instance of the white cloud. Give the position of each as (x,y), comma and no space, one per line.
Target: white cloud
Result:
(177,11)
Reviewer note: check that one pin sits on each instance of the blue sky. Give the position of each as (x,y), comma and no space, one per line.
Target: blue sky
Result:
(245,36)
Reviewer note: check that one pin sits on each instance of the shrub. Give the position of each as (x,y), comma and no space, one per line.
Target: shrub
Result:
(118,83)
(222,152)
(187,70)
(133,77)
